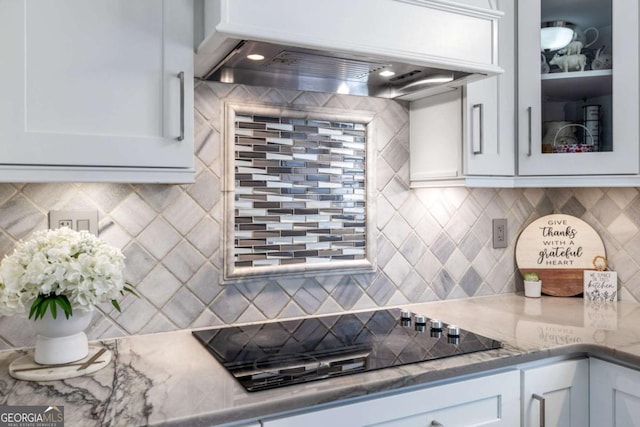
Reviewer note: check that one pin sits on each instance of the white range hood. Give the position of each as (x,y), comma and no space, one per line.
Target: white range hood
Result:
(343,45)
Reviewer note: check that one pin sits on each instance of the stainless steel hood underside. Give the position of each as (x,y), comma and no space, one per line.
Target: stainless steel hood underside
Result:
(321,71)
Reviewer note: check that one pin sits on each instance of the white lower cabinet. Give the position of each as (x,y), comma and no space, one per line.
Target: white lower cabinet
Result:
(556,395)
(486,401)
(615,395)
(571,393)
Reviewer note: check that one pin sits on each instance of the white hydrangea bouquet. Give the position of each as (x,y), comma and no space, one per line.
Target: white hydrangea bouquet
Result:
(61,268)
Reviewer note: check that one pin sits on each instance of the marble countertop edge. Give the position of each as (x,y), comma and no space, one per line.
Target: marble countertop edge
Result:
(170,379)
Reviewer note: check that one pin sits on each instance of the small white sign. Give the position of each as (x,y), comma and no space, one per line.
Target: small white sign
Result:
(600,285)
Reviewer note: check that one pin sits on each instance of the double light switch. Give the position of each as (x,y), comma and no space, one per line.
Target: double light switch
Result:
(75,220)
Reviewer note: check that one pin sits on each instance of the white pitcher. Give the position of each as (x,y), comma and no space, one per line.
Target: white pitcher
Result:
(581,36)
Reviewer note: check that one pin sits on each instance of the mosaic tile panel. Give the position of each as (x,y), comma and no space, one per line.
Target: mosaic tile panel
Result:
(299,191)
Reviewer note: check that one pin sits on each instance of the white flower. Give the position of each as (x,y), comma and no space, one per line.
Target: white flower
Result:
(76,264)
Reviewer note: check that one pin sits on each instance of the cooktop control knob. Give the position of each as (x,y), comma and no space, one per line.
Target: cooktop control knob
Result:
(436,324)
(453,331)
(421,323)
(420,319)
(405,318)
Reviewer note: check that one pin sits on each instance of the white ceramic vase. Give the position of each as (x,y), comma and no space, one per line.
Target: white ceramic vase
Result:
(61,340)
(533,289)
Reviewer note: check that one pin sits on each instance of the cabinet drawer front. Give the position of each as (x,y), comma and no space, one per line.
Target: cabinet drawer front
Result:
(488,401)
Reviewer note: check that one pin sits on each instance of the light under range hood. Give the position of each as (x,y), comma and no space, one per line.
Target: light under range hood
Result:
(298,68)
(435,45)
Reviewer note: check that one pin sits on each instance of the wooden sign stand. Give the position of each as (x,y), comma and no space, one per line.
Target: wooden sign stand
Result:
(559,248)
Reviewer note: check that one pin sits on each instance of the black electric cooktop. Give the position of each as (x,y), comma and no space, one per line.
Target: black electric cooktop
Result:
(278,354)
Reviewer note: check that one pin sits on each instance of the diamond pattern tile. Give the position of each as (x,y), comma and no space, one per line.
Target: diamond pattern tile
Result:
(19,217)
(397,269)
(431,243)
(310,296)
(184,308)
(133,214)
(159,286)
(183,261)
(159,238)
(184,214)
(46,197)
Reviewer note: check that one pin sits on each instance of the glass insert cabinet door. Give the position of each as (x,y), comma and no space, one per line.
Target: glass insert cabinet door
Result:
(578,103)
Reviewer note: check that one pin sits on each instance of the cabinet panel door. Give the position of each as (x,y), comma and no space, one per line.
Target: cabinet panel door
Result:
(96,83)
(436,139)
(564,386)
(487,401)
(615,395)
(489,115)
(552,121)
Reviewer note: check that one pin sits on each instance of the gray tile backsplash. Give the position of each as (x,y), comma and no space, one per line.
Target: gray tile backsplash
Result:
(431,243)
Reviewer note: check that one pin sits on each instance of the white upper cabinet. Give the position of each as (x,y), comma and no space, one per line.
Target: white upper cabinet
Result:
(489,109)
(583,121)
(96,91)
(461,137)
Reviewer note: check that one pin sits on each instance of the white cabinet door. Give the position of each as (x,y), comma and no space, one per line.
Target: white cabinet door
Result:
(560,390)
(435,141)
(615,395)
(96,83)
(486,401)
(551,118)
(489,114)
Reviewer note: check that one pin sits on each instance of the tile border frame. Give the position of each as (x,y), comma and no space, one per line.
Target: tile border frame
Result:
(231,273)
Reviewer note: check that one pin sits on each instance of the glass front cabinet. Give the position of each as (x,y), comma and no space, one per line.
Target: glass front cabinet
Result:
(578,106)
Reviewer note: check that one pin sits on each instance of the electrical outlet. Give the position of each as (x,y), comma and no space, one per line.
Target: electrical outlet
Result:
(75,220)
(64,223)
(499,233)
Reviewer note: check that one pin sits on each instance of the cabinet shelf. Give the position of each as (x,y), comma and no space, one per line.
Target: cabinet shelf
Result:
(577,75)
(577,85)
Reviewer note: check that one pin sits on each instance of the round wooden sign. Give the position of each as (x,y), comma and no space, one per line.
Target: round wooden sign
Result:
(559,248)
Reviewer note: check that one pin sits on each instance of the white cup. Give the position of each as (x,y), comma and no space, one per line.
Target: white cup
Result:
(532,289)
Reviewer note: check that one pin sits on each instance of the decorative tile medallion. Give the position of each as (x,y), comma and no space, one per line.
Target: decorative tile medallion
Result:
(299,190)
(296,191)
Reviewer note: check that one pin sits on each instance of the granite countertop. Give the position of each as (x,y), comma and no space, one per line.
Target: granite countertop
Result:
(170,379)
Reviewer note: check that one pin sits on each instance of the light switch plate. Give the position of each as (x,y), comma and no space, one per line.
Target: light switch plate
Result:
(76,220)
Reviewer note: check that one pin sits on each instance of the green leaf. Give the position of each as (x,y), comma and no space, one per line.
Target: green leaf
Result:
(128,288)
(43,308)
(52,306)
(116,305)
(66,305)
(35,306)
